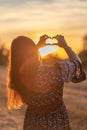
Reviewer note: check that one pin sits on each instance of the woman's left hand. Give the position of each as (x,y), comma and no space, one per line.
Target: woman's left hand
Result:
(61,41)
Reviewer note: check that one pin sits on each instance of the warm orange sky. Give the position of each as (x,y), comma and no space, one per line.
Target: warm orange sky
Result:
(36,17)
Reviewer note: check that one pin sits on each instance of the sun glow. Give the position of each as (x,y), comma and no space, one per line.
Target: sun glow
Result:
(47,50)
(52,49)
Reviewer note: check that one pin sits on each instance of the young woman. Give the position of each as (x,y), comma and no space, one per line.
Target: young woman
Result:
(41,86)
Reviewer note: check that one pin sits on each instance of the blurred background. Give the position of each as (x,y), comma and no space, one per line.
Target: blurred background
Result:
(34,18)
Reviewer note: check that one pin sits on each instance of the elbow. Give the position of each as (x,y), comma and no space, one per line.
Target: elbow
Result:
(81,78)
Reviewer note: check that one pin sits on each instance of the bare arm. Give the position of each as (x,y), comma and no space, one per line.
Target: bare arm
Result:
(62,43)
(77,74)
(72,55)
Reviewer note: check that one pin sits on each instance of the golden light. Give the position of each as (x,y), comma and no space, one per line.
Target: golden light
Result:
(47,50)
(52,49)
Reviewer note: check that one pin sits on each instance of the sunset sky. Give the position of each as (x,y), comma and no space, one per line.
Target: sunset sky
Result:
(33,18)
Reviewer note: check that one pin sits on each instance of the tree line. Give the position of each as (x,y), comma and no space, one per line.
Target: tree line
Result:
(83,53)
(4,53)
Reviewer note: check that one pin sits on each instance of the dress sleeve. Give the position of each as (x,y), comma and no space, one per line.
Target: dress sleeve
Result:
(72,71)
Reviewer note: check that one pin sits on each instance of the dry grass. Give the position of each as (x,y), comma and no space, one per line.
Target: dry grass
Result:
(75,97)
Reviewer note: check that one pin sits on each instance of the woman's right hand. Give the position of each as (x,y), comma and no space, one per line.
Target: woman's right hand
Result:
(61,41)
(42,40)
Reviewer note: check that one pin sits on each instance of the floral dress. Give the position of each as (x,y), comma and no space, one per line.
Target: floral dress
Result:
(52,78)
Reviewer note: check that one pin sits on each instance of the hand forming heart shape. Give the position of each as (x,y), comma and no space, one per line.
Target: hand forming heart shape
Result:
(60,40)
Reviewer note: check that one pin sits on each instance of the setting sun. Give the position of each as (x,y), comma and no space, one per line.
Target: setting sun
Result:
(47,50)
(52,48)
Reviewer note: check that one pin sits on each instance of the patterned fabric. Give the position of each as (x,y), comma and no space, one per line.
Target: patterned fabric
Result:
(51,79)
(56,120)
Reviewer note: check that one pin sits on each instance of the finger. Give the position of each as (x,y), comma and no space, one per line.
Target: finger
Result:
(61,35)
(54,37)
(58,36)
(44,36)
(47,36)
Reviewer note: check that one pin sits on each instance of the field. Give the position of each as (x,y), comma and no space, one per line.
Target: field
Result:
(75,97)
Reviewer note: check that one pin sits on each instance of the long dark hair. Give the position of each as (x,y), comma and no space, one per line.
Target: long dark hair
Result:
(21,49)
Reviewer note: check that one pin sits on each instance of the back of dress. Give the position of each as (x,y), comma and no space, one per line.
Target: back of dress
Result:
(49,80)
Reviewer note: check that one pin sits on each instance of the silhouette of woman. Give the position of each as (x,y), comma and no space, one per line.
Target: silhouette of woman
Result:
(41,86)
